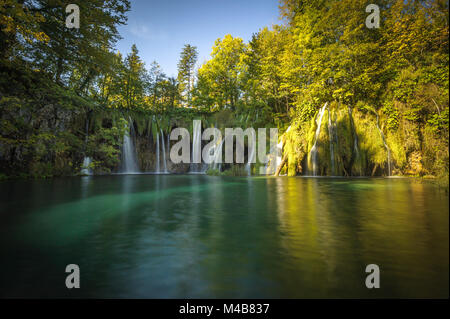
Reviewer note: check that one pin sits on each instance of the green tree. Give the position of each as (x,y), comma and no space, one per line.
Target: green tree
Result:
(262,77)
(19,22)
(84,48)
(222,73)
(134,79)
(188,58)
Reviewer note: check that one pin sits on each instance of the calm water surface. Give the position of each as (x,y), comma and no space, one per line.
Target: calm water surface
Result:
(167,236)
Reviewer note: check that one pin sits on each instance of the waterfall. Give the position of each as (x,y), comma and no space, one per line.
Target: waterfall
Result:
(129,163)
(217,160)
(385,145)
(355,136)
(168,146)
(158,169)
(86,170)
(314,151)
(331,139)
(279,152)
(251,153)
(274,158)
(355,139)
(164,151)
(196,163)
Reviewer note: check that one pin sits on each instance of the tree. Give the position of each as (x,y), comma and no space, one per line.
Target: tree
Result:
(107,88)
(262,78)
(85,48)
(170,92)
(134,79)
(222,73)
(19,21)
(188,58)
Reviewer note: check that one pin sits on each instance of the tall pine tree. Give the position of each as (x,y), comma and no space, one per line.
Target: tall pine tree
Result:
(186,65)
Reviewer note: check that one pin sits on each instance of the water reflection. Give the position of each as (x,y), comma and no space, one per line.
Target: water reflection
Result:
(200,236)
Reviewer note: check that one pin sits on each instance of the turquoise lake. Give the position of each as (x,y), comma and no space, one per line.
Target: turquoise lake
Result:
(197,236)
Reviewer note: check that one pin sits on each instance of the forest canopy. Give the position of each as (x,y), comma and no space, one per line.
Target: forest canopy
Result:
(395,75)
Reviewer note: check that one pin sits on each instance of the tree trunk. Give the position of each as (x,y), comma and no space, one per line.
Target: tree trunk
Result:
(280,167)
(374,169)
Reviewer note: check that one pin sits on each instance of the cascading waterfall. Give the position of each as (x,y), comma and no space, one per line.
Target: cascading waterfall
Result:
(278,153)
(163,151)
(274,158)
(168,146)
(332,138)
(211,155)
(86,170)
(251,153)
(129,163)
(158,169)
(217,160)
(385,145)
(315,166)
(196,163)
(314,151)
(355,137)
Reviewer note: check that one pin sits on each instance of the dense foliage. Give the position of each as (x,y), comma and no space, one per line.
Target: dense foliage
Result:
(66,93)
(395,75)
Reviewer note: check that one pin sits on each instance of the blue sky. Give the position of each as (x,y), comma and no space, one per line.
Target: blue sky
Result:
(161,28)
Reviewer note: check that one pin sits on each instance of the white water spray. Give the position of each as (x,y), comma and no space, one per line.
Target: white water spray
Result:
(314,151)
(196,163)
(86,170)
(385,145)
(164,151)
(217,160)
(129,163)
(251,153)
(158,169)
(331,139)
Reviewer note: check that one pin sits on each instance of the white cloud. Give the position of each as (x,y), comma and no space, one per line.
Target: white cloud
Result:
(147,32)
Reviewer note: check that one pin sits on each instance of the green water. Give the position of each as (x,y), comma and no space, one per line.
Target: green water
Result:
(196,236)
